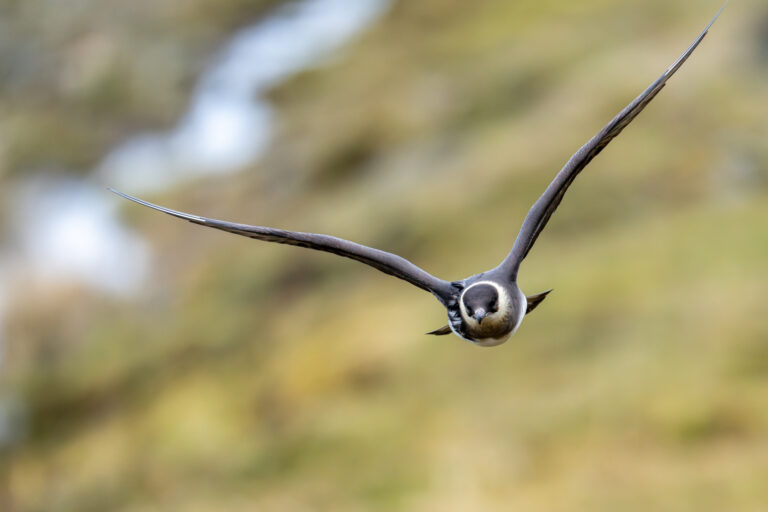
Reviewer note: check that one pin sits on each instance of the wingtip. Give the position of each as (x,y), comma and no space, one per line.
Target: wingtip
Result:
(186,216)
(130,197)
(123,194)
(680,60)
(722,8)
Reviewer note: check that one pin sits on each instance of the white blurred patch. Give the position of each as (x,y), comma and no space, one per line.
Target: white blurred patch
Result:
(228,124)
(68,230)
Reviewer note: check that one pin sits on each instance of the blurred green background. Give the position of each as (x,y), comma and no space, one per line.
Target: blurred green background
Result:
(237,376)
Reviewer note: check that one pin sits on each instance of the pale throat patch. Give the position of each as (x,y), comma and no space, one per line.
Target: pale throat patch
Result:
(495,318)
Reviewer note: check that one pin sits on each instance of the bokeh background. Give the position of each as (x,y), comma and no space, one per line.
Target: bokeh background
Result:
(149,364)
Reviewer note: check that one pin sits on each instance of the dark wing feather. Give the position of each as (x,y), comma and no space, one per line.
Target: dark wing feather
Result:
(535,300)
(386,262)
(543,209)
(446,329)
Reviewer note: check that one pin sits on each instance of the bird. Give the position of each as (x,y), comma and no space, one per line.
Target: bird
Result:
(485,309)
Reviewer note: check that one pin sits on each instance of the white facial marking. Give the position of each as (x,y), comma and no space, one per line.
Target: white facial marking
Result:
(504,304)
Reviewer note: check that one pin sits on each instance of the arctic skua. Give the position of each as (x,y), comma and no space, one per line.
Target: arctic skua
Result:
(486,308)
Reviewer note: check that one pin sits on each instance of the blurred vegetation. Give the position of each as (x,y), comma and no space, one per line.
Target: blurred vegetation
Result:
(88,73)
(258,377)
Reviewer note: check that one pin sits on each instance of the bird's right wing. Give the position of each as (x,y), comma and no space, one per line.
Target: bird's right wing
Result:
(386,262)
(545,206)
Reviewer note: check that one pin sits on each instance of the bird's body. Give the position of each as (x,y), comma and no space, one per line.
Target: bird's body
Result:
(487,308)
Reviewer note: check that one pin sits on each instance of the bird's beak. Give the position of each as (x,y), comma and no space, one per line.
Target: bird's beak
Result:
(479,315)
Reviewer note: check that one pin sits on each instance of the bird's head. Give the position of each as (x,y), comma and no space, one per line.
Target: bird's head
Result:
(480,301)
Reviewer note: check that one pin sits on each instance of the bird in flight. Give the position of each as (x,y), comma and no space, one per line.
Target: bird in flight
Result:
(486,308)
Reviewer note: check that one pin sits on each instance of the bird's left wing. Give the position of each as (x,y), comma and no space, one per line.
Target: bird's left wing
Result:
(546,205)
(386,262)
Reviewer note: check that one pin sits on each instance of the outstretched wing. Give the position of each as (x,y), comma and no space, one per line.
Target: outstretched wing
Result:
(388,263)
(543,209)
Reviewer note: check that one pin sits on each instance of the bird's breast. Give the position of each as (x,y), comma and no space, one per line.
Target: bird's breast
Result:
(492,342)
(493,330)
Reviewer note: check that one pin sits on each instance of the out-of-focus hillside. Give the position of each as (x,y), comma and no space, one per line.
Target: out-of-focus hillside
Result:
(89,72)
(250,376)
